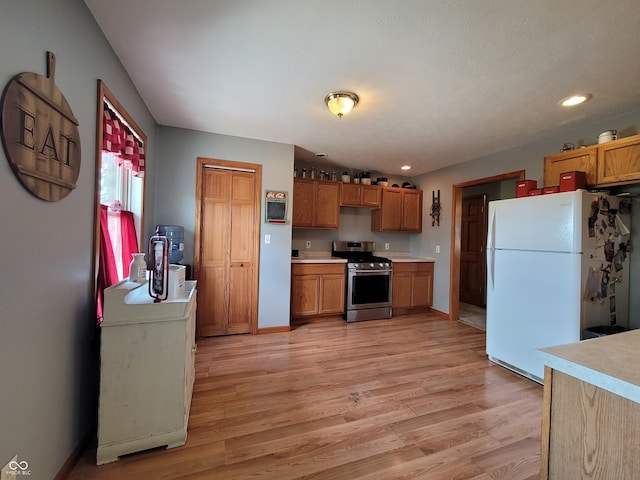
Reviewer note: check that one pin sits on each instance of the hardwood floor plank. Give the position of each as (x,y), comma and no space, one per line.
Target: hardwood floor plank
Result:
(413,397)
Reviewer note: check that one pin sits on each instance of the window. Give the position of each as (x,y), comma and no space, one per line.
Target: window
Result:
(119,201)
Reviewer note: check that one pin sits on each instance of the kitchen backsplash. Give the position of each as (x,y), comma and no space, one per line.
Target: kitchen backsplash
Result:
(355,224)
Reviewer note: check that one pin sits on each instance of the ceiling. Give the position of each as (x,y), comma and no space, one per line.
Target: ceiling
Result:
(440,81)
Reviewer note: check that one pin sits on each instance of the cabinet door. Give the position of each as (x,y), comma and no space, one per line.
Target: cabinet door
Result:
(332,294)
(402,291)
(350,195)
(327,205)
(303,203)
(389,216)
(422,286)
(579,160)
(619,161)
(412,211)
(305,291)
(371,196)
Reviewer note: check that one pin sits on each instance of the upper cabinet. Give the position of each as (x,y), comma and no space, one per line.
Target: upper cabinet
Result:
(619,161)
(605,164)
(352,195)
(579,160)
(316,204)
(400,211)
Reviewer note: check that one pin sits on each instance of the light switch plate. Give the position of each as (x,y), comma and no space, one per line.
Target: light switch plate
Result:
(267,239)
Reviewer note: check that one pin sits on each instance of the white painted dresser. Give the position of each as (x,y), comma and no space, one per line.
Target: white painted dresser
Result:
(146,370)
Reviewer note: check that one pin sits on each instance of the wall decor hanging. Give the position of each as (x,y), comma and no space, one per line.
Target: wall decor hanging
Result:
(435,209)
(40,134)
(276,207)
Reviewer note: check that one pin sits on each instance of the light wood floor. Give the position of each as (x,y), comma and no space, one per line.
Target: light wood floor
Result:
(413,397)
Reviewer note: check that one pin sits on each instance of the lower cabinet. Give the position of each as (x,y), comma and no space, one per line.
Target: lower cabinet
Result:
(587,431)
(412,286)
(317,289)
(147,372)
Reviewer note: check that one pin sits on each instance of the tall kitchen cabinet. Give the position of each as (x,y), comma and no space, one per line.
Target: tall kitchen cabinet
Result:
(400,211)
(147,356)
(316,204)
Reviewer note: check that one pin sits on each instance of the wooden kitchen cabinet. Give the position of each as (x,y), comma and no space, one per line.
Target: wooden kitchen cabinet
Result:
(619,162)
(317,289)
(353,195)
(316,204)
(579,160)
(400,211)
(147,371)
(412,286)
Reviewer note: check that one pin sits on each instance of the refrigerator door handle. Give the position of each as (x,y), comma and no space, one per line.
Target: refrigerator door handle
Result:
(491,249)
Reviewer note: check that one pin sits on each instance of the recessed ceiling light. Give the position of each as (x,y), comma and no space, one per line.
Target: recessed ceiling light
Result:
(576,99)
(405,167)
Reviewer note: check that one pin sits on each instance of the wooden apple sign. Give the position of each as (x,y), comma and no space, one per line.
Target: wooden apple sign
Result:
(40,134)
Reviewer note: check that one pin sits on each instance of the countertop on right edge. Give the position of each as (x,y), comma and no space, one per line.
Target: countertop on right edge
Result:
(608,362)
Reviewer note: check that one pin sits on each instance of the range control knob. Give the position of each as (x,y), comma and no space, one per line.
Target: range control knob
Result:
(371,265)
(356,265)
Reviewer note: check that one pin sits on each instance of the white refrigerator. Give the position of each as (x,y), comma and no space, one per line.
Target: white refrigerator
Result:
(556,264)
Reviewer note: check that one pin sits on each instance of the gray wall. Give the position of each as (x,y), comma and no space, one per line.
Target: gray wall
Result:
(526,157)
(47,345)
(175,203)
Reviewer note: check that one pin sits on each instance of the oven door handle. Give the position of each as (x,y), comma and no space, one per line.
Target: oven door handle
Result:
(369,272)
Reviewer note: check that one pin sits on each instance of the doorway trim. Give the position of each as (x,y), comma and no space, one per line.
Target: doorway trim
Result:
(456,235)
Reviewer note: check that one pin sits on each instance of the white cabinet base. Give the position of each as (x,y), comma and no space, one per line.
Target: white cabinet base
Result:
(110,453)
(146,371)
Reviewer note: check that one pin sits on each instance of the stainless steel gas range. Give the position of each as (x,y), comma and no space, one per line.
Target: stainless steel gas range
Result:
(369,281)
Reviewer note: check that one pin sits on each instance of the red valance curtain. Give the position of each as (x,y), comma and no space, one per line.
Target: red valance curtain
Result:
(118,139)
(107,269)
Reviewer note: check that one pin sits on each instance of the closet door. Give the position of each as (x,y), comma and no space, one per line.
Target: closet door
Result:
(226,266)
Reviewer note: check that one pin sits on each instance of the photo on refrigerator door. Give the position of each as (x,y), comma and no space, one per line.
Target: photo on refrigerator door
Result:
(608,227)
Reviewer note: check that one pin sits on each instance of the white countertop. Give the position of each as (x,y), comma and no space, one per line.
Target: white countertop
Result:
(607,362)
(325,257)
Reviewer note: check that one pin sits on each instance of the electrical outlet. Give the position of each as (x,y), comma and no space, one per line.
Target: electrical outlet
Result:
(308,244)
(437,248)
(386,246)
(267,239)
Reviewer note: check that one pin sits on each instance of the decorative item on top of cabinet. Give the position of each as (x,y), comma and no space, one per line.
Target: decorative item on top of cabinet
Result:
(400,211)
(317,289)
(619,161)
(356,195)
(316,204)
(580,160)
(412,287)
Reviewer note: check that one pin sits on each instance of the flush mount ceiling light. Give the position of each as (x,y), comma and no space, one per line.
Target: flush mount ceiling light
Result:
(576,99)
(405,167)
(341,103)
